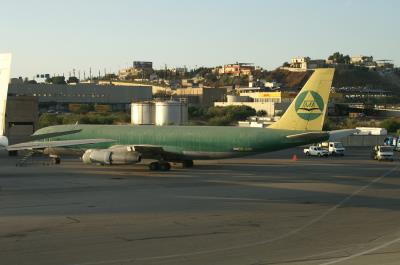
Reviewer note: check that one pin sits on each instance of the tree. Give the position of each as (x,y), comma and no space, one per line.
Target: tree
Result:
(30,81)
(56,80)
(73,79)
(337,57)
(261,113)
(391,125)
(285,64)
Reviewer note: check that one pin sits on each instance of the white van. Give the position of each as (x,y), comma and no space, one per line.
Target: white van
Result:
(333,148)
(382,152)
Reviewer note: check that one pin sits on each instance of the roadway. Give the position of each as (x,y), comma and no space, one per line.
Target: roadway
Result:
(265,209)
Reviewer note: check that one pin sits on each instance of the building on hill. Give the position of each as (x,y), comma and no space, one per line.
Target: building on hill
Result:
(139,67)
(384,65)
(237,69)
(300,64)
(361,59)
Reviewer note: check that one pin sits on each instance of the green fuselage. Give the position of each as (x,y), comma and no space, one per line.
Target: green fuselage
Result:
(194,142)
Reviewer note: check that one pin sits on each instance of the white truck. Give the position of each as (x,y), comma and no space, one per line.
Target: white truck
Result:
(316,151)
(333,148)
(382,152)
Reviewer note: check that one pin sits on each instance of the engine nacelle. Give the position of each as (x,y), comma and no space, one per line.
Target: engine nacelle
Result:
(110,157)
(3,142)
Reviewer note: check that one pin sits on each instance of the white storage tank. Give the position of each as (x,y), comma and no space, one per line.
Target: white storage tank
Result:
(142,113)
(171,113)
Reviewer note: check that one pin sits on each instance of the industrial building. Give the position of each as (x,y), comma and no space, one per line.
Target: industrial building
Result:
(274,103)
(201,96)
(159,113)
(58,97)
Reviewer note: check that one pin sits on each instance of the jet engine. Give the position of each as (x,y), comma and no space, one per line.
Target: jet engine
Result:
(110,157)
(3,142)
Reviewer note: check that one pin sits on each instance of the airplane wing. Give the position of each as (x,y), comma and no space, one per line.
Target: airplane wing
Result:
(52,144)
(35,137)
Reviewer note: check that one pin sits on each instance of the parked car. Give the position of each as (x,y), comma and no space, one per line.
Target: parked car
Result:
(316,151)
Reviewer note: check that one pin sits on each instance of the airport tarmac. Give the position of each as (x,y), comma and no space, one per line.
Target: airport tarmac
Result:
(265,209)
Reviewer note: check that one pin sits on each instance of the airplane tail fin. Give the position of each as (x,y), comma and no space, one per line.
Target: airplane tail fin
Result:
(308,109)
(5,65)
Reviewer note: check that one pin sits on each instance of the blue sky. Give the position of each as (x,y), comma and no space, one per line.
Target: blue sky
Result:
(54,36)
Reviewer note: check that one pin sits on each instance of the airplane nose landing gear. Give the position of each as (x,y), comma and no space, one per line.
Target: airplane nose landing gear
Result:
(160,165)
(187,163)
(56,160)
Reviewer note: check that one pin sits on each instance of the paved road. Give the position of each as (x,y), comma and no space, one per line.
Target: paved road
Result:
(260,210)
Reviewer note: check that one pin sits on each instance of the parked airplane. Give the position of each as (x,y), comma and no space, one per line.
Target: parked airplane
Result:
(127,144)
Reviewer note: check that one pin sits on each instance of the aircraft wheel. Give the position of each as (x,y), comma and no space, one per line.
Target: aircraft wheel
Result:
(154,166)
(165,166)
(56,160)
(187,163)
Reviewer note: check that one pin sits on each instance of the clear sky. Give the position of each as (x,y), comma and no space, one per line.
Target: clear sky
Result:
(55,36)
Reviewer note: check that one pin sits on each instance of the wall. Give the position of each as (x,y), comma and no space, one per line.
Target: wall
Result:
(363,140)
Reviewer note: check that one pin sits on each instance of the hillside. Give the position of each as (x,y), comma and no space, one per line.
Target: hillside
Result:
(342,78)
(288,79)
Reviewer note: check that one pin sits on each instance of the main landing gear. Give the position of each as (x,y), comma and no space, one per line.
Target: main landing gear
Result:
(160,165)
(187,163)
(166,166)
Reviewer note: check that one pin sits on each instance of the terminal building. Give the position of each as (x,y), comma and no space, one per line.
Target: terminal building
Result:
(59,97)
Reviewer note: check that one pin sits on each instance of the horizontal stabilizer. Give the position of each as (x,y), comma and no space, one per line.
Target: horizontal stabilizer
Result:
(52,144)
(339,134)
(308,136)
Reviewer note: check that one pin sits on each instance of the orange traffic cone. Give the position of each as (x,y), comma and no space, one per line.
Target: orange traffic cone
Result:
(294,157)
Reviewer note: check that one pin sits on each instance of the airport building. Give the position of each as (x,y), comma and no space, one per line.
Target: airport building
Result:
(58,97)
(201,96)
(274,103)
(22,118)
